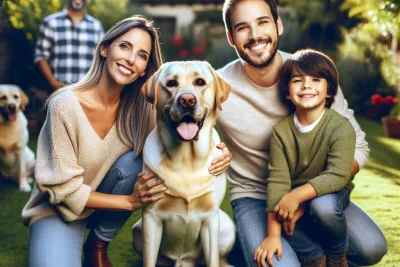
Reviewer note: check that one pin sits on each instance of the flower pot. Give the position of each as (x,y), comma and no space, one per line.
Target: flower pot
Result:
(391,126)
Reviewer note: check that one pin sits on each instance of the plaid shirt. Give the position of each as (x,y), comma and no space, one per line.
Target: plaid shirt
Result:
(68,49)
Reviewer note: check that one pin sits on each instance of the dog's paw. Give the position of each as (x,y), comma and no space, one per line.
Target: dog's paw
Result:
(25,187)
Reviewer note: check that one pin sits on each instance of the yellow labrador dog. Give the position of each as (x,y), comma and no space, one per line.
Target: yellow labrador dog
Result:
(187,226)
(16,159)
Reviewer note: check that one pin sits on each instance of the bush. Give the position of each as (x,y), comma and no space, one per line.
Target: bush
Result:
(359,81)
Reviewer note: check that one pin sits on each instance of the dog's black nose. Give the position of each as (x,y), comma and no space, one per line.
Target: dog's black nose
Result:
(187,100)
(12,107)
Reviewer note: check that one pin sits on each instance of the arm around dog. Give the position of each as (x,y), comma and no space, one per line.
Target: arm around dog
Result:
(143,193)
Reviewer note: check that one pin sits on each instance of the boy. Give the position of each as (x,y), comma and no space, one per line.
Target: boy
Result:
(311,157)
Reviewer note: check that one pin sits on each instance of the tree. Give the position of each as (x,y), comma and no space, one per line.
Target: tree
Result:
(377,36)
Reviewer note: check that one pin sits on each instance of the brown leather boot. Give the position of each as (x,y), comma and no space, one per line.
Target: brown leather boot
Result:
(95,251)
(314,262)
(337,260)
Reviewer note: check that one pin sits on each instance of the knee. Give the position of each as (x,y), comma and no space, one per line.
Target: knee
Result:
(324,209)
(128,165)
(373,252)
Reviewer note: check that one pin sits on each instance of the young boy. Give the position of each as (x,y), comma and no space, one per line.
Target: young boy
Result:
(311,157)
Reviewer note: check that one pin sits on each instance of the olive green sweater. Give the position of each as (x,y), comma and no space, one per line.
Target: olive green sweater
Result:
(322,157)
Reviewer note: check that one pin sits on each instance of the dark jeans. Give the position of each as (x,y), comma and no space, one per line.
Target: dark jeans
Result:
(367,244)
(322,229)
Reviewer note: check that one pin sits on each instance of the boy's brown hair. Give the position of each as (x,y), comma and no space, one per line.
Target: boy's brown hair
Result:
(313,63)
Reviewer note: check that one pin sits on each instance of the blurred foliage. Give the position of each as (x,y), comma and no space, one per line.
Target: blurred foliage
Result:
(358,80)
(26,15)
(319,22)
(376,38)
(189,45)
(211,16)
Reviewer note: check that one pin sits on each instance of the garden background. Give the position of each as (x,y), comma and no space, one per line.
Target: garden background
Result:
(362,37)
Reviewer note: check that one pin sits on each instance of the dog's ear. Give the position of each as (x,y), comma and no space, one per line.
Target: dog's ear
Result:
(151,86)
(24,99)
(222,88)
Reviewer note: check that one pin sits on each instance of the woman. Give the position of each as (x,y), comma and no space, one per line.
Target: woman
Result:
(85,160)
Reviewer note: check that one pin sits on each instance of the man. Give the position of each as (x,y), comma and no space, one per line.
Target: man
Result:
(66,44)
(253,29)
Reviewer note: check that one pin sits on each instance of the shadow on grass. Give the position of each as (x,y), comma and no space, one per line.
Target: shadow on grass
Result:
(384,158)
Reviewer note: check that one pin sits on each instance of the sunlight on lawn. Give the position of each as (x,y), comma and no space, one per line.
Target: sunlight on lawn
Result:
(377,191)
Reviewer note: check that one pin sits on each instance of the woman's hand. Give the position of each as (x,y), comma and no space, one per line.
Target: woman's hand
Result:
(267,249)
(221,163)
(147,189)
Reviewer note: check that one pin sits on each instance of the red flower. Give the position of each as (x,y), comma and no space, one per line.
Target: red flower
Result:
(390,99)
(177,40)
(183,53)
(197,51)
(377,99)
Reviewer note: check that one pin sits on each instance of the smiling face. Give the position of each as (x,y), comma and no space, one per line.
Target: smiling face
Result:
(127,56)
(255,35)
(185,93)
(307,92)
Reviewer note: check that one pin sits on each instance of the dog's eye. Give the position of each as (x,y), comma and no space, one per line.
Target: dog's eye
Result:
(172,83)
(16,96)
(3,98)
(199,82)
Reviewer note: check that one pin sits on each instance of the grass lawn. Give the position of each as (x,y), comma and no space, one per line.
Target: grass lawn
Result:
(377,191)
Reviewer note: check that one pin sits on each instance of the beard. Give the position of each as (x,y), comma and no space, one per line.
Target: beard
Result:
(259,61)
(75,6)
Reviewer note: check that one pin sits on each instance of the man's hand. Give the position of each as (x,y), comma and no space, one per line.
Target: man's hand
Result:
(267,249)
(220,163)
(57,85)
(289,226)
(286,208)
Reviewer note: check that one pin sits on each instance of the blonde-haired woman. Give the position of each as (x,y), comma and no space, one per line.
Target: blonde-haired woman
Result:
(85,159)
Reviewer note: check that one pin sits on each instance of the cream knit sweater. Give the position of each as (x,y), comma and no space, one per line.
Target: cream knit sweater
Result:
(72,160)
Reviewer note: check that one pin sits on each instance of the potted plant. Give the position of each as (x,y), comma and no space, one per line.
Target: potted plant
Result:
(391,123)
(378,107)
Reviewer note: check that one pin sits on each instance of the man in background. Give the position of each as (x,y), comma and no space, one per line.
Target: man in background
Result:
(66,44)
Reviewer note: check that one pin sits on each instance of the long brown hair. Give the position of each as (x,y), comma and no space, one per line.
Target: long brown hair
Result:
(135,116)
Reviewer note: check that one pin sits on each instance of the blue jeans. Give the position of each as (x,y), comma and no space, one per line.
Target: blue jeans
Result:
(251,221)
(55,242)
(367,244)
(322,229)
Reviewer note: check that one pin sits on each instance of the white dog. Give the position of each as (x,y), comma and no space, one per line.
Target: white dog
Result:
(16,159)
(187,226)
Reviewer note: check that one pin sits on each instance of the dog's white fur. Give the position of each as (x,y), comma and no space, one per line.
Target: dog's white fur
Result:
(16,159)
(187,226)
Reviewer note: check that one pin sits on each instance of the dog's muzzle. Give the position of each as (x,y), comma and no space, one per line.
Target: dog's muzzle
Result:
(183,119)
(9,112)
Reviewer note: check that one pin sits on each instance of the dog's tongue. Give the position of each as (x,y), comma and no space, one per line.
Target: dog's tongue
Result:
(187,130)
(12,117)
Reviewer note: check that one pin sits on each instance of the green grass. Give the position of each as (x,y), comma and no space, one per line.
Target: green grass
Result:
(377,191)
